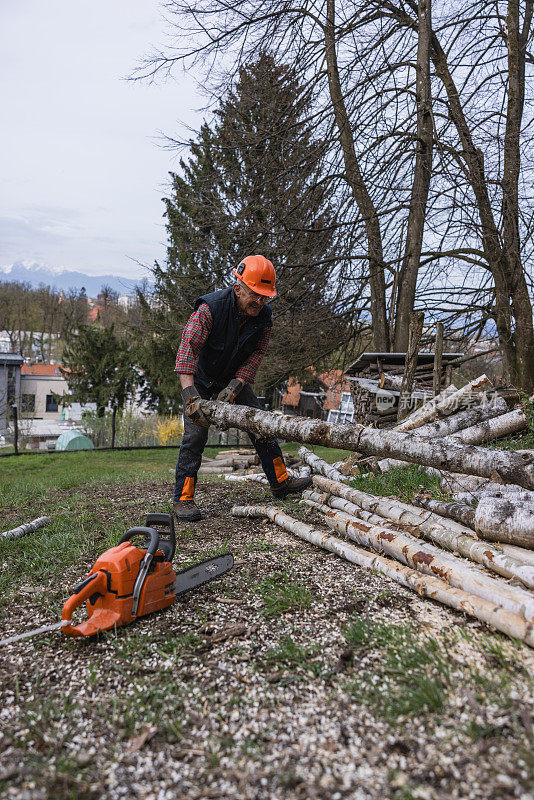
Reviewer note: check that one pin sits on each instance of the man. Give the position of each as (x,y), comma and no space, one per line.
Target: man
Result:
(222,347)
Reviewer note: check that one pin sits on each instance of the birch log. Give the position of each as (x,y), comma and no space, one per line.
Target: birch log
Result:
(510,466)
(460,512)
(424,585)
(464,422)
(519,553)
(473,488)
(28,527)
(431,560)
(320,466)
(426,412)
(447,534)
(502,520)
(442,406)
(495,428)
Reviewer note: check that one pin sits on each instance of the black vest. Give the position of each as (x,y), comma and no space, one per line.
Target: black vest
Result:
(228,345)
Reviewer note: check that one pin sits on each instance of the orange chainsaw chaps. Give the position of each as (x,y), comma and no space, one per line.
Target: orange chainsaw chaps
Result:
(109,596)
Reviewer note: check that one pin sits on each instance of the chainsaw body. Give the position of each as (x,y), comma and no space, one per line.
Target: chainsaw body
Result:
(126,582)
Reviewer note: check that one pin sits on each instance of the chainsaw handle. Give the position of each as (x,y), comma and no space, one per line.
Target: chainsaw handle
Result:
(94,584)
(150,532)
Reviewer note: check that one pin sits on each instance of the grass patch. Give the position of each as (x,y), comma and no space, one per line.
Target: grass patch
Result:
(280,594)
(412,675)
(403,482)
(290,654)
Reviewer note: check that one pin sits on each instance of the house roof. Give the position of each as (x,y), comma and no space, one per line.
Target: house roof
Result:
(94,312)
(41,369)
(397,359)
(11,358)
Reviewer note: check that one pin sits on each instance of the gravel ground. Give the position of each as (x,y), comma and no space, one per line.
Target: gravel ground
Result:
(216,698)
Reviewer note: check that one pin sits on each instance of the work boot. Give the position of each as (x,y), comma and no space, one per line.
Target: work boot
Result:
(291,486)
(186,511)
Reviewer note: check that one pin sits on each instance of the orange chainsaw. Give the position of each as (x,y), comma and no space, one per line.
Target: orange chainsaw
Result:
(127,582)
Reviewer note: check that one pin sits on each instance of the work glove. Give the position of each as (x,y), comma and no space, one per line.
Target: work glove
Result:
(230,392)
(192,400)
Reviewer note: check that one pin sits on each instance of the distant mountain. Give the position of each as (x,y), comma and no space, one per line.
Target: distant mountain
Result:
(36,274)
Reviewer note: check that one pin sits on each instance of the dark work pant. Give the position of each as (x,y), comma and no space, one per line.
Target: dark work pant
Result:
(194,441)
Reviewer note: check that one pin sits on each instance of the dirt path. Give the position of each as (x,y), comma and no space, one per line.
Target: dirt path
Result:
(296,676)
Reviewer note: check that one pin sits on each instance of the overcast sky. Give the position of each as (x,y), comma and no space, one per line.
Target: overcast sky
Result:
(82,171)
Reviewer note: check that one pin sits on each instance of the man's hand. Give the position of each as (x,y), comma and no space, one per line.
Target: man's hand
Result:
(230,392)
(192,400)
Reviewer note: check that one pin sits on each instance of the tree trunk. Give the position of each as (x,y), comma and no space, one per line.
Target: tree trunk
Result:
(450,535)
(504,520)
(460,512)
(513,308)
(354,178)
(438,359)
(414,340)
(469,459)
(320,466)
(426,412)
(407,279)
(424,585)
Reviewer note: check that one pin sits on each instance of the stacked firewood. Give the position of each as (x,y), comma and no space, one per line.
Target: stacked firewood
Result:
(230,461)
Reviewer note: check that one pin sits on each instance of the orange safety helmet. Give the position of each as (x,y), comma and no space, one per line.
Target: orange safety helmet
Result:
(257,272)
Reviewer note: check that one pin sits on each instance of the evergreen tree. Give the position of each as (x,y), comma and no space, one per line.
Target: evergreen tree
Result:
(97,366)
(252,184)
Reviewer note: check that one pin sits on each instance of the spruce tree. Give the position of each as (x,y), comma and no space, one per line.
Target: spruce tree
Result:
(253,183)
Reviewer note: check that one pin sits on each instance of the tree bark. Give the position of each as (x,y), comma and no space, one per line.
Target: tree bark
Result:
(510,466)
(425,413)
(438,359)
(407,279)
(504,520)
(450,534)
(354,178)
(424,585)
(320,466)
(414,340)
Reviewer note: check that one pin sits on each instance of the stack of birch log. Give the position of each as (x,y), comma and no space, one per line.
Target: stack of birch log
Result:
(492,582)
(228,461)
(239,465)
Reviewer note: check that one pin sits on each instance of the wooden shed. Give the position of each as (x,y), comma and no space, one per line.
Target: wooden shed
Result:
(375,380)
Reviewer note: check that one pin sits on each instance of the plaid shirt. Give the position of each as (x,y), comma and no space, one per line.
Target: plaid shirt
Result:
(195,334)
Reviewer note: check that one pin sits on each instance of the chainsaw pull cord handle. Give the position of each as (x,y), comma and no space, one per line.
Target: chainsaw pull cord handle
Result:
(96,584)
(145,563)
